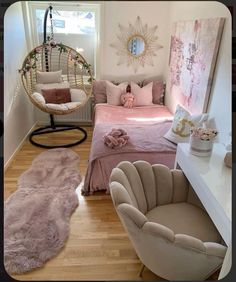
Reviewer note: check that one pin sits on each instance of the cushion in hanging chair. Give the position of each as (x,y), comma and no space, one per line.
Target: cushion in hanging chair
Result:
(38,97)
(40,86)
(77,98)
(57,96)
(63,107)
(48,77)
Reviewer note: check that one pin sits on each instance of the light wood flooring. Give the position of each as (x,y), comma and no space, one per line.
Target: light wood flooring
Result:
(98,247)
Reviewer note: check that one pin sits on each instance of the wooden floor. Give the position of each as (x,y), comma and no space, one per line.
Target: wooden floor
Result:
(98,247)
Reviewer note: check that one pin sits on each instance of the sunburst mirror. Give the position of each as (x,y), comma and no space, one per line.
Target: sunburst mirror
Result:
(136,44)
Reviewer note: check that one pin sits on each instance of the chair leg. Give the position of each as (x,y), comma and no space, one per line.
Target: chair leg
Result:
(140,274)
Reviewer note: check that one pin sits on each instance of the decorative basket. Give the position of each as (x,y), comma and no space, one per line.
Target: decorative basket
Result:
(200,147)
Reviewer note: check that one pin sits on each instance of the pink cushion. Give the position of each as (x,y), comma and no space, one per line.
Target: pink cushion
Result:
(158,90)
(143,96)
(63,95)
(114,92)
(56,96)
(99,91)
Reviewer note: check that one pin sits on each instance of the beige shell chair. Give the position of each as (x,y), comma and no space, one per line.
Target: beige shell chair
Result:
(55,65)
(171,232)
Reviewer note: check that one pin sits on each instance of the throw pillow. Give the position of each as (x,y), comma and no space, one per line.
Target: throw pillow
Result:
(56,96)
(143,96)
(48,77)
(99,91)
(39,87)
(158,90)
(77,95)
(63,95)
(49,96)
(182,123)
(114,92)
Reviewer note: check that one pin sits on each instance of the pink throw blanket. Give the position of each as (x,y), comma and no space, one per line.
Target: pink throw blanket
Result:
(143,141)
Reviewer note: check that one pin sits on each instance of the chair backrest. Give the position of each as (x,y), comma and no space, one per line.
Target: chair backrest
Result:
(149,185)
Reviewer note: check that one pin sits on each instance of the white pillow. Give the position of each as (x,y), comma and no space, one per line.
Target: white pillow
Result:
(182,123)
(48,77)
(143,96)
(39,98)
(40,86)
(114,92)
(77,95)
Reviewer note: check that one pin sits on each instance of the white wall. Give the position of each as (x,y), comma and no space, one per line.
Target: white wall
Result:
(125,12)
(19,118)
(220,100)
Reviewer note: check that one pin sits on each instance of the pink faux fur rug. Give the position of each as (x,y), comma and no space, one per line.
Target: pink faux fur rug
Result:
(36,216)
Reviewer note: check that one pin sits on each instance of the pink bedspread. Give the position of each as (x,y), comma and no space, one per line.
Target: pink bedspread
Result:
(145,127)
(105,113)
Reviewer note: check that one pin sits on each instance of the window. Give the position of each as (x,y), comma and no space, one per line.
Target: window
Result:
(68,22)
(75,25)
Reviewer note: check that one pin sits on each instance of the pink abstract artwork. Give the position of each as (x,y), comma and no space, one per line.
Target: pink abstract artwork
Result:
(193,54)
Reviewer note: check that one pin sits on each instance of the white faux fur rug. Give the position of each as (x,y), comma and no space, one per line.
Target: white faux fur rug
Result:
(36,216)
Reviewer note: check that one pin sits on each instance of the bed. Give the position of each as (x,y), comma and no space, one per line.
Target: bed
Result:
(145,126)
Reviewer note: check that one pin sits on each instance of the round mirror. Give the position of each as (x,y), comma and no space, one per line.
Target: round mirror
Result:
(136,45)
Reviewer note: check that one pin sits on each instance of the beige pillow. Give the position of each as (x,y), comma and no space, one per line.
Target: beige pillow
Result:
(39,87)
(143,95)
(77,95)
(114,92)
(48,77)
(182,123)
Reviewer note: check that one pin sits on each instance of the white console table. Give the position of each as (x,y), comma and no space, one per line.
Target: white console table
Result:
(212,182)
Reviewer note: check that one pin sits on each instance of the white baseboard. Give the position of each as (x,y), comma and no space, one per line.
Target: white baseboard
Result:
(6,165)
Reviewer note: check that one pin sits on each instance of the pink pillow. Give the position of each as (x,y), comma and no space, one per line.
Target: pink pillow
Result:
(49,95)
(114,92)
(158,90)
(56,96)
(99,91)
(143,96)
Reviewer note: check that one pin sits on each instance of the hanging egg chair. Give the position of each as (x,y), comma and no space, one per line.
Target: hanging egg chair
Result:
(57,80)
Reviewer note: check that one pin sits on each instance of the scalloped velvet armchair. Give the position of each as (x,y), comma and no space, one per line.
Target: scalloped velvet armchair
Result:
(171,232)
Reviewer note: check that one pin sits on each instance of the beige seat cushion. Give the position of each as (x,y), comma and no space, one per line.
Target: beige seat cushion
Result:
(185,218)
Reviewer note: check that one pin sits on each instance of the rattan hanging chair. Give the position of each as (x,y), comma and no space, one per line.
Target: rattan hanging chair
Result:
(75,74)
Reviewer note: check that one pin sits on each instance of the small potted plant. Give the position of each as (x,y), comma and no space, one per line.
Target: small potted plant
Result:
(201,141)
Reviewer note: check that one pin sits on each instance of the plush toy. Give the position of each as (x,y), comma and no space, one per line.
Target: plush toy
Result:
(127,100)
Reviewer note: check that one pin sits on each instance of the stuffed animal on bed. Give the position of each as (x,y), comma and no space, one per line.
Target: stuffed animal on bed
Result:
(127,99)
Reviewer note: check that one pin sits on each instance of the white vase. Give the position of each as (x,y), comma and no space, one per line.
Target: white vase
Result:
(200,147)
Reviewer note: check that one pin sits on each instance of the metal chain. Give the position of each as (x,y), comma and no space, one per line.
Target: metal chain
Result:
(52,34)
